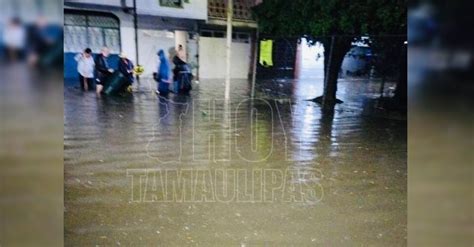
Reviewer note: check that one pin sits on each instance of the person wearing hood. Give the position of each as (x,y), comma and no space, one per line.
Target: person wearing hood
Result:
(163,74)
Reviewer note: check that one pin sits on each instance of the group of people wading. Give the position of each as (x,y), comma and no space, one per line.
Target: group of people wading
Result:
(180,80)
(107,80)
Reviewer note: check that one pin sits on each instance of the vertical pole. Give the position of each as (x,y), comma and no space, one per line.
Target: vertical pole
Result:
(254,66)
(230,11)
(197,37)
(135,25)
(326,76)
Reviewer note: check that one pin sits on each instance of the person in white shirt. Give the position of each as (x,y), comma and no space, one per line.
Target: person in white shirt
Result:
(85,68)
(14,36)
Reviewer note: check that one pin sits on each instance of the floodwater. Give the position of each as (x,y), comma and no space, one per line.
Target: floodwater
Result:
(117,151)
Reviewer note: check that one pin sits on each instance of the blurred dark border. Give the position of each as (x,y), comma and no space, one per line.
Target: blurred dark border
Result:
(440,66)
(31,123)
(440,143)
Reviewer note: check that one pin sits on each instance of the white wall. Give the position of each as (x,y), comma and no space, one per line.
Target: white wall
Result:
(151,41)
(127,34)
(195,9)
(212,58)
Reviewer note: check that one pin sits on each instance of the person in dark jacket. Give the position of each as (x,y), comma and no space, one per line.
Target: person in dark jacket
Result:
(126,68)
(179,61)
(45,44)
(102,68)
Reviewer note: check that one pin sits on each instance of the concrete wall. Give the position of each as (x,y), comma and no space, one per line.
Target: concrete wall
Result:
(151,41)
(127,34)
(196,9)
(212,58)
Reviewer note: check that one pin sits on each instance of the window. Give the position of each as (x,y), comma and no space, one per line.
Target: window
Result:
(172,3)
(236,36)
(241,37)
(95,31)
(219,34)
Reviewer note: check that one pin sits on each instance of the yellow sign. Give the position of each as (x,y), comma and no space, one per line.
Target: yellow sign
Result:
(266,49)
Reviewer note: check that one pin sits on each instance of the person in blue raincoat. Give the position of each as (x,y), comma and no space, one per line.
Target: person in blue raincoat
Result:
(163,75)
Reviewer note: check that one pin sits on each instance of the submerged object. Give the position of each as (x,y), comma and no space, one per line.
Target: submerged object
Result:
(114,83)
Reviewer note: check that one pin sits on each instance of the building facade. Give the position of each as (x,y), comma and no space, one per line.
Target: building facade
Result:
(162,24)
(212,41)
(198,25)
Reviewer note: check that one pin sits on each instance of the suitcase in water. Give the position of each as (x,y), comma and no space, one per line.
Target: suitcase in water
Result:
(114,83)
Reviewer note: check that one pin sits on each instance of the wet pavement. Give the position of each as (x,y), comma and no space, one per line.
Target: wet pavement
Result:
(357,157)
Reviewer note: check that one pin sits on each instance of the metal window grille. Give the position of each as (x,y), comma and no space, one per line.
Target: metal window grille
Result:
(93,31)
(171,3)
(218,8)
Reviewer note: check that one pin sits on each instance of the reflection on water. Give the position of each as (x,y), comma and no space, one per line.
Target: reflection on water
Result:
(359,153)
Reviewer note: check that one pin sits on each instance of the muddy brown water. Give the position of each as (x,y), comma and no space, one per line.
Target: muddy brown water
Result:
(357,158)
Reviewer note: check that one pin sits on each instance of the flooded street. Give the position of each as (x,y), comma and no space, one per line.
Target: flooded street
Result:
(117,149)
